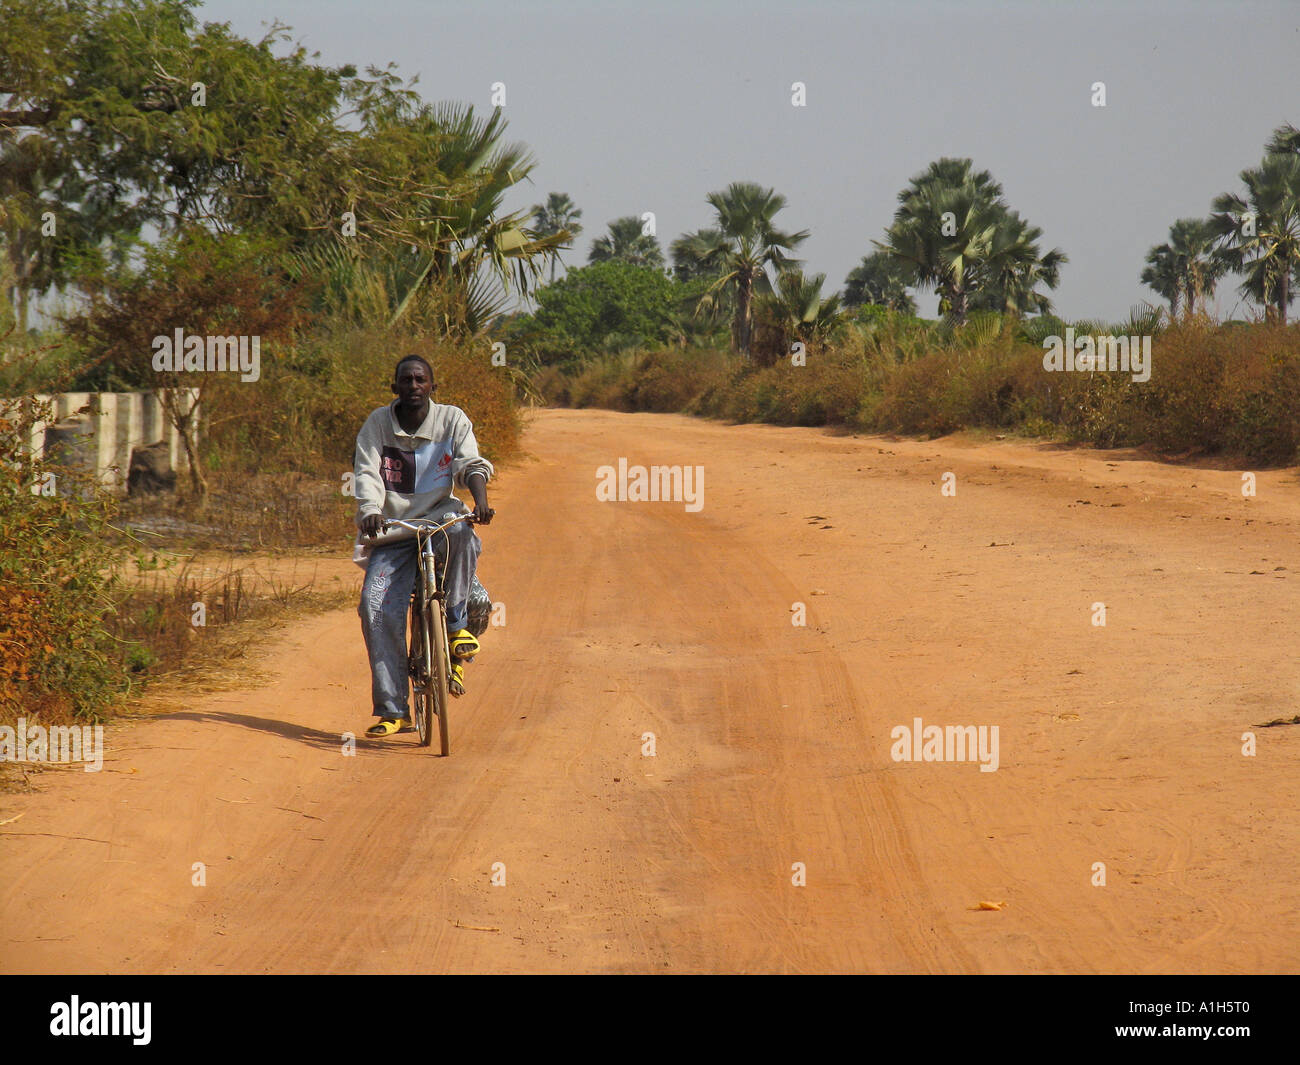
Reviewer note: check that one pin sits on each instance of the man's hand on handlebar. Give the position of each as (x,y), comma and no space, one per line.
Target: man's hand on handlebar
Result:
(477,485)
(373,525)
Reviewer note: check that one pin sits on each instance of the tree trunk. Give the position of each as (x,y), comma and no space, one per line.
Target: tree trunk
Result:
(959,306)
(744,327)
(1284,294)
(198,483)
(186,424)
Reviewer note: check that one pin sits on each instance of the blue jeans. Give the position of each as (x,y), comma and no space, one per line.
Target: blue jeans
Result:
(386,597)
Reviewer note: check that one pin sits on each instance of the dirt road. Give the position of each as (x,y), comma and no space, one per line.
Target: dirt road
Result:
(1119,744)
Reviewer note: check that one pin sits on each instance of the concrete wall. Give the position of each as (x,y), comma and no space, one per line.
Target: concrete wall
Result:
(113,424)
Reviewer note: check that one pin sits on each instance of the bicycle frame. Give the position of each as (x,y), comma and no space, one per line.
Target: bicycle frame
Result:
(429,654)
(425,530)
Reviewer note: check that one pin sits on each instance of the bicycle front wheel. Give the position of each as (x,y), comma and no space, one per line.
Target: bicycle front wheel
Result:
(440,674)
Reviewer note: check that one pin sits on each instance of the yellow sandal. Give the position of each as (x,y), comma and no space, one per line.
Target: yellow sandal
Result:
(463,644)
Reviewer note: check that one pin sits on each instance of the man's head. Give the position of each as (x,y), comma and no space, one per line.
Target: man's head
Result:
(412,381)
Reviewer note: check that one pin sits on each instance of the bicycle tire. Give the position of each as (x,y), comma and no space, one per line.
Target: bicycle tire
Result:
(440,675)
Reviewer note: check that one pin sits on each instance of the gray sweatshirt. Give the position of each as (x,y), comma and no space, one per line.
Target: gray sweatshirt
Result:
(407,475)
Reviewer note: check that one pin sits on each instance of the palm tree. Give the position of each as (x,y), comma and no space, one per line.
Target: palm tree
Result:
(1196,261)
(1260,232)
(1014,268)
(1161,275)
(799,307)
(738,250)
(686,265)
(626,243)
(954,233)
(942,233)
(943,227)
(472,252)
(1285,140)
(558,215)
(880,279)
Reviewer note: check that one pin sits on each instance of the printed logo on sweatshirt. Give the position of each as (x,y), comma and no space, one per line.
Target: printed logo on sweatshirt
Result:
(397,467)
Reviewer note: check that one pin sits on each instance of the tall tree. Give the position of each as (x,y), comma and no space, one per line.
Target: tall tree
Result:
(557,216)
(954,233)
(212,289)
(471,250)
(626,243)
(738,250)
(157,120)
(1161,274)
(879,279)
(1190,262)
(687,264)
(162,121)
(1260,231)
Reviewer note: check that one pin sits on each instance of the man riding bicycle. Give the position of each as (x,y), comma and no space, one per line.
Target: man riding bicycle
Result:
(409,456)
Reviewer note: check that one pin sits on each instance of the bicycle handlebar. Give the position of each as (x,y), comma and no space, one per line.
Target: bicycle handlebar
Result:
(426,524)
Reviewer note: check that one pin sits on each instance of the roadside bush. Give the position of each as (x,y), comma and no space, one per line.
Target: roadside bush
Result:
(1213,389)
(1099,408)
(1227,389)
(824,391)
(553,386)
(602,382)
(304,414)
(58,569)
(711,372)
(912,398)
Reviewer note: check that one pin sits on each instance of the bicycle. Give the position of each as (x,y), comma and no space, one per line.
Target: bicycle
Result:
(428,658)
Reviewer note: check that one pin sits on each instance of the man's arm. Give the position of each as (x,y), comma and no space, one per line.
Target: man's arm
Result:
(471,469)
(367,481)
(477,485)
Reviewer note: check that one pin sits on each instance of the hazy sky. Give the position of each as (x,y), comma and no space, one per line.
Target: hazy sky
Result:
(631,108)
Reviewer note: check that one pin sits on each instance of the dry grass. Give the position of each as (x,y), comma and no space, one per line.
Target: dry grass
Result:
(1232,391)
(248,511)
(243,598)
(198,614)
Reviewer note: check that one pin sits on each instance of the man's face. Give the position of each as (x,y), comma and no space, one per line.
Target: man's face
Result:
(412,385)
